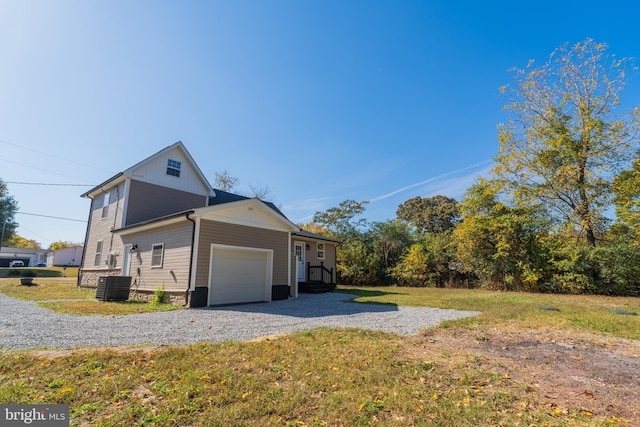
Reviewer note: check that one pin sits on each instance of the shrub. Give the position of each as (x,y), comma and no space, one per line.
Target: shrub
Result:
(28,273)
(158,295)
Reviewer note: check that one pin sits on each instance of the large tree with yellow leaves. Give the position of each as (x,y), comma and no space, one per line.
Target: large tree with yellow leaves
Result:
(566,140)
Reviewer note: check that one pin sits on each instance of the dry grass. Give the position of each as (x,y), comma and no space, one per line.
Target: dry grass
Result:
(612,316)
(333,377)
(45,289)
(63,296)
(324,377)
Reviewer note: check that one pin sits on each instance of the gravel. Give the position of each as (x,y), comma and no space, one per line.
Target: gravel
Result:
(24,325)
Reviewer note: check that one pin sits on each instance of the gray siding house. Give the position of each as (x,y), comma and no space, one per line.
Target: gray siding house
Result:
(161,223)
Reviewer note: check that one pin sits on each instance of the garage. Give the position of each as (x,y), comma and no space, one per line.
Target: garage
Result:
(239,274)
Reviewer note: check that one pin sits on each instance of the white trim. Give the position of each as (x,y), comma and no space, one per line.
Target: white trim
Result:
(324,250)
(126,260)
(151,265)
(304,260)
(126,188)
(209,212)
(95,253)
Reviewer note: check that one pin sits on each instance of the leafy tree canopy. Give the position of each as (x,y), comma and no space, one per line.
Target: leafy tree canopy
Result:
(627,197)
(340,220)
(565,140)
(8,209)
(17,241)
(62,244)
(435,214)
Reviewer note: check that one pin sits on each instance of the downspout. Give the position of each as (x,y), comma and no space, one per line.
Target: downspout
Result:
(193,239)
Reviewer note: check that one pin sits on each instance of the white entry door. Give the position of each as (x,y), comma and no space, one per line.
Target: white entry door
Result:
(126,260)
(299,252)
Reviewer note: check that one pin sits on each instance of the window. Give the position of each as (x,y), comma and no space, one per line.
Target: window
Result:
(105,205)
(157,252)
(173,168)
(320,250)
(96,260)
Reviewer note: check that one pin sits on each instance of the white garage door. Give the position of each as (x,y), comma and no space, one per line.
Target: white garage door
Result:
(239,274)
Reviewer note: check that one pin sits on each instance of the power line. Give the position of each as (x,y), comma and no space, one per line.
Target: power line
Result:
(53,155)
(49,216)
(43,170)
(45,183)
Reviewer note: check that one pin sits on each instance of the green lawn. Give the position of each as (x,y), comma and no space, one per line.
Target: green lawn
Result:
(614,316)
(322,377)
(63,296)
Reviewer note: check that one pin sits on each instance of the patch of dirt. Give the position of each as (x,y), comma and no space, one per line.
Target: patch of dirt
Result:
(577,372)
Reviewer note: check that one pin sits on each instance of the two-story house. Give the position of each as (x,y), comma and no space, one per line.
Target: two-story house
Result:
(161,223)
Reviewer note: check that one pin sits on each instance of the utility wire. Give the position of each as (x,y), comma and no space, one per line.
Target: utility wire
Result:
(53,155)
(45,183)
(49,216)
(43,170)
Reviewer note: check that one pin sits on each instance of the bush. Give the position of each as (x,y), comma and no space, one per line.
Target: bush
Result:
(158,296)
(28,273)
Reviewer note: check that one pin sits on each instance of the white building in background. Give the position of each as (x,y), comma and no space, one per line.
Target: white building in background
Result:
(30,257)
(67,257)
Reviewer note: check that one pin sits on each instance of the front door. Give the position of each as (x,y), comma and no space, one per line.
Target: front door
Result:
(299,252)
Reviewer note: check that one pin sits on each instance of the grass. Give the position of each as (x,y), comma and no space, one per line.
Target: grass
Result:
(39,272)
(587,313)
(63,296)
(322,377)
(109,308)
(46,290)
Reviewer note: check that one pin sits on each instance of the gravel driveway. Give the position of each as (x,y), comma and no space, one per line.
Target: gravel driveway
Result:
(24,325)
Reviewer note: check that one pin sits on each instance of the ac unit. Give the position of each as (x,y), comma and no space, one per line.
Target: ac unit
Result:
(111,260)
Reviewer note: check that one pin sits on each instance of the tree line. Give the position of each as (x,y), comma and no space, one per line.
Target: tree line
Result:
(559,211)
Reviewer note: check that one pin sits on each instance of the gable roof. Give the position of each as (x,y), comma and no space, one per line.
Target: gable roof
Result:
(203,211)
(267,208)
(128,173)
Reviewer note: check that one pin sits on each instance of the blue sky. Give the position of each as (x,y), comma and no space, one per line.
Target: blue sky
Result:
(321,101)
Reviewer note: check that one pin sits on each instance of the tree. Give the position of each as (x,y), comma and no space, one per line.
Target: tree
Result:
(225,181)
(427,262)
(62,244)
(8,209)
(391,240)
(17,241)
(499,243)
(435,214)
(314,228)
(260,191)
(356,258)
(340,220)
(626,189)
(565,142)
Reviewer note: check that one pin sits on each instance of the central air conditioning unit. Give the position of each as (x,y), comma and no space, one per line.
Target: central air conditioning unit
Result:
(113,288)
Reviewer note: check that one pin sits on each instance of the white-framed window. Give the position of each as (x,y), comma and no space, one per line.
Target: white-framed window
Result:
(105,204)
(96,259)
(320,250)
(157,254)
(173,168)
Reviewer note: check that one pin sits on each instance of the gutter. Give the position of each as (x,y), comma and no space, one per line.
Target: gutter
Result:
(193,239)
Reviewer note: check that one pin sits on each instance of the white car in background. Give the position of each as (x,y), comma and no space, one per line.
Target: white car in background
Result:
(16,263)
